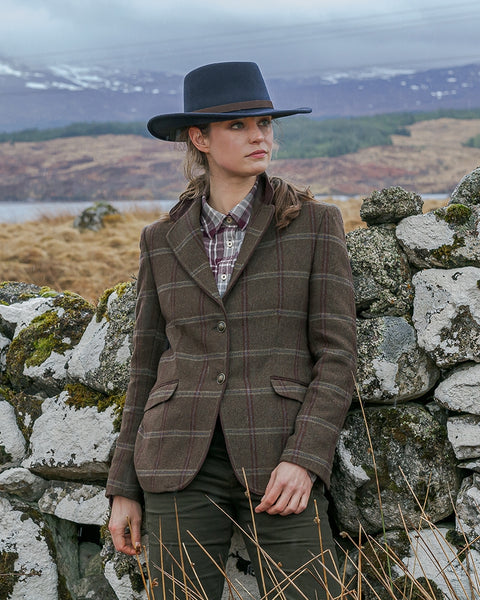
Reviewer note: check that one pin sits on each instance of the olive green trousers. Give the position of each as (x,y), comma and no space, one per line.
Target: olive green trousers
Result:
(297,551)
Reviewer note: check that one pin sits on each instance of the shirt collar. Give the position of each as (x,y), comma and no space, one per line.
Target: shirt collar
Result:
(213,220)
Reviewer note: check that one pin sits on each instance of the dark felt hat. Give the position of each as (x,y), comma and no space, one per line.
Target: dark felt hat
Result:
(219,92)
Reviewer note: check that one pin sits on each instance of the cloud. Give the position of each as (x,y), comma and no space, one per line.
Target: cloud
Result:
(285,37)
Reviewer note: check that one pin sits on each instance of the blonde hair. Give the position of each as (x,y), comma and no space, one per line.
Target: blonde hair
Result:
(287,198)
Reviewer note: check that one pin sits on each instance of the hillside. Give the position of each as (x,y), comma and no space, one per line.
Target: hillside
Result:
(431,159)
(61,94)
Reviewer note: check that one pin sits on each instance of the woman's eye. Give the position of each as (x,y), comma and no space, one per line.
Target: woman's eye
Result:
(266,122)
(237,125)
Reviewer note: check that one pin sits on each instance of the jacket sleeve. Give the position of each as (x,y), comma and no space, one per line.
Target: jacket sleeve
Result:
(332,340)
(149,342)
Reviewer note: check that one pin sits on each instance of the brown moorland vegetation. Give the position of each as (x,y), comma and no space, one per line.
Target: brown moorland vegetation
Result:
(432,159)
(51,252)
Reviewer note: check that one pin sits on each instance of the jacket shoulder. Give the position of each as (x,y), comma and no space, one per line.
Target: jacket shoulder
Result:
(316,213)
(156,232)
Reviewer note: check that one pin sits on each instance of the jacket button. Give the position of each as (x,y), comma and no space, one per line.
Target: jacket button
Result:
(221,326)
(221,378)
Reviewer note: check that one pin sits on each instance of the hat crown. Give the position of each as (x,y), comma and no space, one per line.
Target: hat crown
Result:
(223,84)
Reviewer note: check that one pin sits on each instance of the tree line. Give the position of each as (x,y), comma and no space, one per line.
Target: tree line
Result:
(298,137)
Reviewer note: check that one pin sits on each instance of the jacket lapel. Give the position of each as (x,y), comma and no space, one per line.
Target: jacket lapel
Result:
(262,214)
(186,241)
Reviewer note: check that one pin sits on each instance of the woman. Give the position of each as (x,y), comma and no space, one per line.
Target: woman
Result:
(244,354)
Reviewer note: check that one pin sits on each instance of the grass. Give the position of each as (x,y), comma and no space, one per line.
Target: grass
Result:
(50,252)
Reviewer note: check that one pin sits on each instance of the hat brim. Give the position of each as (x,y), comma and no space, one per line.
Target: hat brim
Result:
(170,127)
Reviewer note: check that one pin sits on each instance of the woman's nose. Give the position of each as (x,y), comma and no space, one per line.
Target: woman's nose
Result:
(256,132)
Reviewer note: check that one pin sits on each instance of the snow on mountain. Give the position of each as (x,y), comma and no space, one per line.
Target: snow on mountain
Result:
(62,94)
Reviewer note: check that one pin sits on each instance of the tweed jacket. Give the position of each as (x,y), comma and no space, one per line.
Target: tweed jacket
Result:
(274,358)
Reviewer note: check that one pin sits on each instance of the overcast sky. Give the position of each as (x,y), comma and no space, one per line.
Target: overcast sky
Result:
(286,37)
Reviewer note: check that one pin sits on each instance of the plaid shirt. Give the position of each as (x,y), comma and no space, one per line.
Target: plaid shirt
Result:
(223,236)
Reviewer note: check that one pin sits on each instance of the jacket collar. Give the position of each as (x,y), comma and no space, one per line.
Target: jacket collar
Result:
(186,239)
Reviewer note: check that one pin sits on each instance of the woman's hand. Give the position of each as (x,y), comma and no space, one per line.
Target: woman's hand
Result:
(287,492)
(125,525)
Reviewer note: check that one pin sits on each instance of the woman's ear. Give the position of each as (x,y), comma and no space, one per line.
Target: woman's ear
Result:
(198,139)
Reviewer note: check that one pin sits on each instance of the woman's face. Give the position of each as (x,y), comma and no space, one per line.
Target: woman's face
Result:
(237,148)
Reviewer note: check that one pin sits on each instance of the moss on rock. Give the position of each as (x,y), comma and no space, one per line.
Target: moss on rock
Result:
(81,396)
(443,253)
(457,214)
(56,330)
(102,305)
(12,292)
(27,410)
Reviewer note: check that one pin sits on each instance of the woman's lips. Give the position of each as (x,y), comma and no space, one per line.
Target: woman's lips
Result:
(258,154)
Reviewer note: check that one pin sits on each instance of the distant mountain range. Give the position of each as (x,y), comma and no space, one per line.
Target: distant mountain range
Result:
(63,94)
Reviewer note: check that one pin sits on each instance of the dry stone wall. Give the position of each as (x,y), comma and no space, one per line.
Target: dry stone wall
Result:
(413,431)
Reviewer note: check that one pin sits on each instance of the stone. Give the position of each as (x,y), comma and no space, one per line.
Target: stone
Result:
(460,390)
(471,465)
(80,503)
(70,442)
(446,314)
(15,317)
(464,435)
(39,352)
(390,205)
(239,569)
(413,458)
(27,409)
(121,571)
(27,553)
(444,238)
(93,217)
(4,344)
(433,555)
(468,510)
(424,562)
(381,275)
(94,587)
(101,360)
(63,537)
(21,482)
(391,366)
(12,292)
(468,190)
(12,442)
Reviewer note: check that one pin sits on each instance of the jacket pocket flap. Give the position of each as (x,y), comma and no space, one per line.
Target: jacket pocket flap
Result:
(289,388)
(160,393)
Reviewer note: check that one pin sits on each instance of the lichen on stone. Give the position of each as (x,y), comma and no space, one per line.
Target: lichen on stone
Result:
(468,190)
(102,306)
(17,291)
(390,205)
(381,274)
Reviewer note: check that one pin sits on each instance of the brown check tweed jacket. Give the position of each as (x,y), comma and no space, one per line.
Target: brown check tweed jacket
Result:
(275,357)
